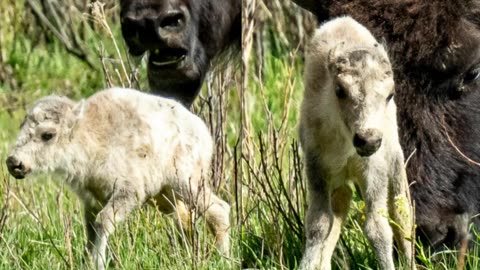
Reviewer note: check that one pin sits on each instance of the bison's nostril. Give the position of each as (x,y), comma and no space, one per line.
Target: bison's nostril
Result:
(12,162)
(20,167)
(16,167)
(358,141)
(366,145)
(173,21)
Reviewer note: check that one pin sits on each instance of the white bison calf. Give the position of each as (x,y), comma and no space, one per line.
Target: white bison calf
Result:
(348,132)
(119,149)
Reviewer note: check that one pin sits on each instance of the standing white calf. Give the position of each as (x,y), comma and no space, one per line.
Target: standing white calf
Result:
(119,149)
(348,133)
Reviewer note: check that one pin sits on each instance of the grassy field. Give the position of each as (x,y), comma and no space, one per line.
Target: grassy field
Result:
(257,167)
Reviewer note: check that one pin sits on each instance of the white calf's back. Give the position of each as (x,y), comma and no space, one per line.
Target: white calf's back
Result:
(153,137)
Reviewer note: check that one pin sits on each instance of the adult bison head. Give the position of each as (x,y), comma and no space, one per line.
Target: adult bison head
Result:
(180,37)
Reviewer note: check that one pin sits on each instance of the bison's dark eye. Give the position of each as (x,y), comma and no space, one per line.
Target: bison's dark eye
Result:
(389,97)
(472,76)
(340,92)
(47,136)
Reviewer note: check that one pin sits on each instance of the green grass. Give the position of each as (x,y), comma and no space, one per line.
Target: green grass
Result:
(259,173)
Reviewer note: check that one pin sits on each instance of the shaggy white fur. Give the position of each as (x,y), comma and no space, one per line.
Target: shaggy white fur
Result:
(121,148)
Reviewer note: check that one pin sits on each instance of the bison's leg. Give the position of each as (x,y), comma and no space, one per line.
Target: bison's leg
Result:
(121,203)
(400,211)
(326,213)
(170,203)
(341,198)
(323,227)
(216,212)
(90,216)
(318,226)
(377,227)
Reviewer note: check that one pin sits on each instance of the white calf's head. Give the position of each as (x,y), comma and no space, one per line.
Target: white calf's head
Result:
(43,132)
(363,85)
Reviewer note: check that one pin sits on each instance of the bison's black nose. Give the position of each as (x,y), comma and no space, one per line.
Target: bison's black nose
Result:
(367,142)
(16,168)
(172,21)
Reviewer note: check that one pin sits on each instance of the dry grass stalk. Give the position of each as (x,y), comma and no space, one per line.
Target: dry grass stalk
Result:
(55,16)
(98,16)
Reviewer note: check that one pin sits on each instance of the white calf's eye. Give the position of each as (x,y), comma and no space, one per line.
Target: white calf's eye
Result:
(46,136)
(389,97)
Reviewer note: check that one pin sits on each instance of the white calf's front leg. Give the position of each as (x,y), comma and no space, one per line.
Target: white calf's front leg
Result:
(318,228)
(318,221)
(323,226)
(90,217)
(377,227)
(115,211)
(326,212)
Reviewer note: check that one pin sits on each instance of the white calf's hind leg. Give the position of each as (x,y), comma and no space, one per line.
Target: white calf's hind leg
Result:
(216,213)
(341,198)
(170,203)
(198,196)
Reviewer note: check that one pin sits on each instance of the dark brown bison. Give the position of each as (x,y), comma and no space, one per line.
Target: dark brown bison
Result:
(181,38)
(435,50)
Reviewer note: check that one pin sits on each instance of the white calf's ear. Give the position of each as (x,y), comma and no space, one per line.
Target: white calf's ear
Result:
(79,109)
(38,113)
(76,113)
(336,57)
